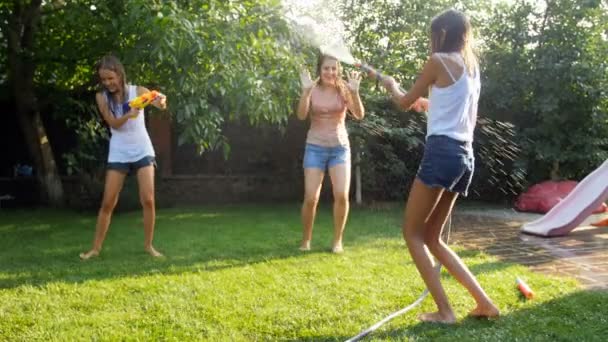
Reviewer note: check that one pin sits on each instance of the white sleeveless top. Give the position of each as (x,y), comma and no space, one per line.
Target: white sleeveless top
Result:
(130,142)
(453,109)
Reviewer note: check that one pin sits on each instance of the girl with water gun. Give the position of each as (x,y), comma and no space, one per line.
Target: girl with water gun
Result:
(131,150)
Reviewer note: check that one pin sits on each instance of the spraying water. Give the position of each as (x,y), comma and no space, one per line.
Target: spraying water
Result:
(317,23)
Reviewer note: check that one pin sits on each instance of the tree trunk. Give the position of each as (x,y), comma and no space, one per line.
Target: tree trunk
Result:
(555,171)
(22,24)
(358,198)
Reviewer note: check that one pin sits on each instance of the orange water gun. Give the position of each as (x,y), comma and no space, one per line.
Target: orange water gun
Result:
(142,101)
(524,288)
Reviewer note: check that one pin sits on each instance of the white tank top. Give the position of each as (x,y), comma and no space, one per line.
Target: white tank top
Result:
(453,109)
(130,142)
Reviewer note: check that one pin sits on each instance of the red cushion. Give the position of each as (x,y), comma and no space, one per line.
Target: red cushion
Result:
(540,198)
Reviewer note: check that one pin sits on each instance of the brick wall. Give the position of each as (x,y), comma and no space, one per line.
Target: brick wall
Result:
(212,189)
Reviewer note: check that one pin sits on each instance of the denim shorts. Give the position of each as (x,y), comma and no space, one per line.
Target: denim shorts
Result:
(322,157)
(132,167)
(447,163)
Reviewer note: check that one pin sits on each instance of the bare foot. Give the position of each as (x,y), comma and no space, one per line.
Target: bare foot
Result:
(305,246)
(488,311)
(436,317)
(337,249)
(153,252)
(90,254)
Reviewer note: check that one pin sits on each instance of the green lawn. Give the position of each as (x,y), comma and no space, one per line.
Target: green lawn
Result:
(234,274)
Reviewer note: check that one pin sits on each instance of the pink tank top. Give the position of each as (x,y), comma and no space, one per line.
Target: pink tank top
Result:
(327,119)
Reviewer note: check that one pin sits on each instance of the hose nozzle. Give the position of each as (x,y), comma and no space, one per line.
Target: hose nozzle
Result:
(371,72)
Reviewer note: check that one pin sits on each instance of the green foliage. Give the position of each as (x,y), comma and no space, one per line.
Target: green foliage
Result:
(4,13)
(543,89)
(390,145)
(394,36)
(221,61)
(85,159)
(546,70)
(216,60)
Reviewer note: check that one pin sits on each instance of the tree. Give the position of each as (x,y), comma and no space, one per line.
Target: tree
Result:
(546,71)
(216,60)
(20,23)
(394,37)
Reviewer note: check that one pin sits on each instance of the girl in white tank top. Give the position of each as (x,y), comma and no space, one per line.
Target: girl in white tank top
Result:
(129,142)
(447,166)
(130,151)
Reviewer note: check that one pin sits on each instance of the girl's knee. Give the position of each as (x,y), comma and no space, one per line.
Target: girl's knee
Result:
(107,206)
(311,200)
(341,198)
(432,243)
(147,201)
(409,233)
(411,225)
(412,233)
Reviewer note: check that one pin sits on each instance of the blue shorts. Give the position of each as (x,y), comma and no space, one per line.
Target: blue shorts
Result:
(447,163)
(131,168)
(322,157)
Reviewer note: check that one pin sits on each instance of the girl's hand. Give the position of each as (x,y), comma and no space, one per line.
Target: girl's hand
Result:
(133,113)
(354,79)
(161,102)
(305,80)
(421,105)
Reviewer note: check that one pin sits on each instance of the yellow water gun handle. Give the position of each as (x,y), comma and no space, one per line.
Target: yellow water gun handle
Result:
(144,99)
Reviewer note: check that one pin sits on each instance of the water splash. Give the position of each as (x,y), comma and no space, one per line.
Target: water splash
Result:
(499,151)
(316,22)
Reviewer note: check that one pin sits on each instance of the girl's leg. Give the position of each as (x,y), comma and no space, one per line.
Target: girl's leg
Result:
(450,260)
(340,181)
(420,205)
(313,179)
(112,187)
(145,180)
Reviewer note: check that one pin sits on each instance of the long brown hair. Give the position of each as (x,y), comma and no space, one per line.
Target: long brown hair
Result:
(451,32)
(112,63)
(340,84)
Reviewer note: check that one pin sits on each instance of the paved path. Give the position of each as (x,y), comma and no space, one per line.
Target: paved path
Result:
(582,254)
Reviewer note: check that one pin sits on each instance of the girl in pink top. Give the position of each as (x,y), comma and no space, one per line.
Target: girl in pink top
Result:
(326,101)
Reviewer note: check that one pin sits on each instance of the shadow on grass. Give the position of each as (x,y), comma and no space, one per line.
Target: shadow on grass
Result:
(579,316)
(42,247)
(37,247)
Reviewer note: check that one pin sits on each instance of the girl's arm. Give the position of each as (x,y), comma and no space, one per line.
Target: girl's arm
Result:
(108,117)
(304,103)
(355,105)
(412,97)
(160,102)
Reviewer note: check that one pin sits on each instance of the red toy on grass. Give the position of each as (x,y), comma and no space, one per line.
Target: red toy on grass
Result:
(524,288)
